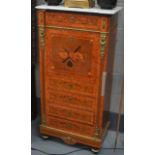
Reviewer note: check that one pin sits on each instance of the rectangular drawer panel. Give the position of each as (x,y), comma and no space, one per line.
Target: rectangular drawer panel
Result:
(75,20)
(70,114)
(72,87)
(70,126)
(69,100)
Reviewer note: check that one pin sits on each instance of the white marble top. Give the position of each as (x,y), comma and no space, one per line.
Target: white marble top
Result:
(95,10)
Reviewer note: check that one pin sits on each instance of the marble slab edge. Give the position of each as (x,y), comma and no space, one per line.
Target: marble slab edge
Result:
(95,10)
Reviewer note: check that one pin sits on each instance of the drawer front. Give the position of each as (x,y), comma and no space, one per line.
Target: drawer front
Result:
(70,114)
(69,126)
(70,86)
(71,100)
(75,20)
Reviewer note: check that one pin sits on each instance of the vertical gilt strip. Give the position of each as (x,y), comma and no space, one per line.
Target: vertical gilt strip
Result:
(102,44)
(42,36)
(97,132)
(42,44)
(104,24)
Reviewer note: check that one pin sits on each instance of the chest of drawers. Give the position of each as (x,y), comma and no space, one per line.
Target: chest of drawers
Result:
(76,61)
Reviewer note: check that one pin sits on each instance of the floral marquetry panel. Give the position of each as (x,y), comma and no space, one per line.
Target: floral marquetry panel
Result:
(71,53)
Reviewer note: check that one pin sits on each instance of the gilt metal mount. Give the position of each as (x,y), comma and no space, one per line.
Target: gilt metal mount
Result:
(97,132)
(102,44)
(42,36)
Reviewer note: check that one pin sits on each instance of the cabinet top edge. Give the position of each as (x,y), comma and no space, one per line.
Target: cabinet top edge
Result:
(94,10)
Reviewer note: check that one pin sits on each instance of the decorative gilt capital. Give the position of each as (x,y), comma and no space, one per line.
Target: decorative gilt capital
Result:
(102,44)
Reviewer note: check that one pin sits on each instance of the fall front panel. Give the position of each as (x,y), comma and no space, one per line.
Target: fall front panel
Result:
(72,70)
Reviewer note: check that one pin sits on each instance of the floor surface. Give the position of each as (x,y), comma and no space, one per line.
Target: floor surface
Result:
(56,146)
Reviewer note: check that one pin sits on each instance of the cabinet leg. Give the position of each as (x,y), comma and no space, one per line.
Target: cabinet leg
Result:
(95,150)
(44,137)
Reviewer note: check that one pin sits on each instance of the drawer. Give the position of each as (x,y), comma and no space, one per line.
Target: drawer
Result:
(71,114)
(70,100)
(74,20)
(72,87)
(70,126)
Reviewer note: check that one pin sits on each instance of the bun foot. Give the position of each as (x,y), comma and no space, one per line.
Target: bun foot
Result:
(95,150)
(44,137)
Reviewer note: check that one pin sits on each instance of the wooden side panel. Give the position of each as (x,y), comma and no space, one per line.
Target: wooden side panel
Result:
(109,67)
(107,61)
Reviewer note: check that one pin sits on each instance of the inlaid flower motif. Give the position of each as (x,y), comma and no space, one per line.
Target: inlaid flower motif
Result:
(71,57)
(63,55)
